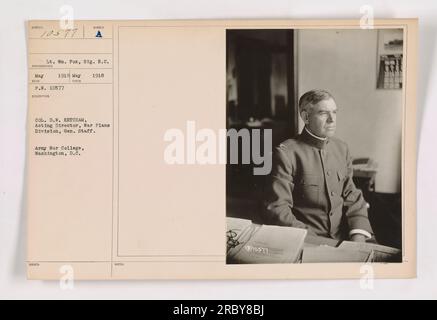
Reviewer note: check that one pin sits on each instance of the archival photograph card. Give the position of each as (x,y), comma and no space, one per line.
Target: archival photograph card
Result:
(221,149)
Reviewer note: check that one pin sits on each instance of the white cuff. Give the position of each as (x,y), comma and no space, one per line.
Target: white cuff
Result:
(360,231)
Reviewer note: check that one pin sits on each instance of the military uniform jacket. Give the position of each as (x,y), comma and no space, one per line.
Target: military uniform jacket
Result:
(311,187)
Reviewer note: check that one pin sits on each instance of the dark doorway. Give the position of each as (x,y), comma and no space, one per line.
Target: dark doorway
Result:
(260,95)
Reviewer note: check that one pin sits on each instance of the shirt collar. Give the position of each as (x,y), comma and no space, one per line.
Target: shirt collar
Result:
(313,140)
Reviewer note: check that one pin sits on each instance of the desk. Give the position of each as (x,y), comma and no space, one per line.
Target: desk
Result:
(275,244)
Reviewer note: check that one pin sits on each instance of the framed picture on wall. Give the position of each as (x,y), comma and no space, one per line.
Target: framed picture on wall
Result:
(390,54)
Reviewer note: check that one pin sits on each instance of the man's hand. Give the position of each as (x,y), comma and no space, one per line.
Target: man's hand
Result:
(357,237)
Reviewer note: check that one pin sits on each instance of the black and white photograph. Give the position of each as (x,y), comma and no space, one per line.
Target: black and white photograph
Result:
(325,109)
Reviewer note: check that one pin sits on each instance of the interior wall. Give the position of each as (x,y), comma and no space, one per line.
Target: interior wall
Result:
(344,62)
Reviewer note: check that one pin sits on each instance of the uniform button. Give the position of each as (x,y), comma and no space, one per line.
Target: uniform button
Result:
(328,172)
(331,214)
(332,193)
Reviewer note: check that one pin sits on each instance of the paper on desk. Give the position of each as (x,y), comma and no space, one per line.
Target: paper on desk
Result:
(237,224)
(237,231)
(269,244)
(381,253)
(332,254)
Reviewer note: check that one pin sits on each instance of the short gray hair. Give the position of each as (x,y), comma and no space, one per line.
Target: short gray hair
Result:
(313,97)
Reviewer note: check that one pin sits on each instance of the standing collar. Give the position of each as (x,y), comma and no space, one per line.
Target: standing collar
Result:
(313,140)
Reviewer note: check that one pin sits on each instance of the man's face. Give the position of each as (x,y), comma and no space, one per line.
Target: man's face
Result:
(321,119)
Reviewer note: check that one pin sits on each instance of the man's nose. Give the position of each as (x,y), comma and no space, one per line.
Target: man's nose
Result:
(331,117)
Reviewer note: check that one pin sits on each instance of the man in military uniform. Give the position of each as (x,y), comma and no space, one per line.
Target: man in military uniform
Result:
(311,183)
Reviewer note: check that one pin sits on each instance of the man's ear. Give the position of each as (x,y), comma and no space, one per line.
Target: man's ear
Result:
(305,116)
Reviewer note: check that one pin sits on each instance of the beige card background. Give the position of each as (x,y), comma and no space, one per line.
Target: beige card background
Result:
(119,211)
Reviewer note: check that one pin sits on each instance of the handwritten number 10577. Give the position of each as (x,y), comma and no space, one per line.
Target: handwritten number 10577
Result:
(67,33)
